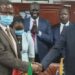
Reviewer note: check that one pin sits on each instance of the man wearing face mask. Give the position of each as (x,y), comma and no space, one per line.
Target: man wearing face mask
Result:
(9,50)
(41,32)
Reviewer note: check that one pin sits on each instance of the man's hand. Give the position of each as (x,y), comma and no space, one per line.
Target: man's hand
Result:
(34,29)
(37,67)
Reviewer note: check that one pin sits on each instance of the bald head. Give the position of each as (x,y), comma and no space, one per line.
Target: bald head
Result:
(65,9)
(34,10)
(34,5)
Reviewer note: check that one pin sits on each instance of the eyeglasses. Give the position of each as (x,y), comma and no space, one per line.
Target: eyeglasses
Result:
(6,13)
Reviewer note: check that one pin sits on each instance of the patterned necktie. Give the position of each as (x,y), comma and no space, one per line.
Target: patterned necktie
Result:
(33,35)
(34,22)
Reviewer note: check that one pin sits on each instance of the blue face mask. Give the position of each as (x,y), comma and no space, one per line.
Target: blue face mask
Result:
(19,32)
(6,20)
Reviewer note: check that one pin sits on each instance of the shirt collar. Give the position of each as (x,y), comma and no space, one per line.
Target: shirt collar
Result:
(33,19)
(4,27)
(67,24)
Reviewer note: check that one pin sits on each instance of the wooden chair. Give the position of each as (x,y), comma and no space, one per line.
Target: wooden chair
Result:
(51,70)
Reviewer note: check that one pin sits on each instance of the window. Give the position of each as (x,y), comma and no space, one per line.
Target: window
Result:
(29,1)
(40,1)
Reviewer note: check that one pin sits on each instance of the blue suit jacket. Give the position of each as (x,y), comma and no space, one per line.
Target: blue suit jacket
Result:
(45,40)
(56,32)
(56,37)
(67,41)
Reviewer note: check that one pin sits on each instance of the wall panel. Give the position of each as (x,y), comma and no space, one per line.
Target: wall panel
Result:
(48,11)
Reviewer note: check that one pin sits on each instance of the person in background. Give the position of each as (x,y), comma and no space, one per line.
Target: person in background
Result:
(9,50)
(41,32)
(64,16)
(65,43)
(25,40)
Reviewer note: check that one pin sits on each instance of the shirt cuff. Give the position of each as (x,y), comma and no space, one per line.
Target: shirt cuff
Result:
(39,33)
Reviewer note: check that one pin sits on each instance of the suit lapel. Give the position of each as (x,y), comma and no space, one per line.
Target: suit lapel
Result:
(70,23)
(14,36)
(27,24)
(59,29)
(6,37)
(39,24)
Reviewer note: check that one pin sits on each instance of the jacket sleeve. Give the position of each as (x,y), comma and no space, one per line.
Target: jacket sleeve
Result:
(56,50)
(47,36)
(8,59)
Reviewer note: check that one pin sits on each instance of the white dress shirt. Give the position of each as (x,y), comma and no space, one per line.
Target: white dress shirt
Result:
(62,25)
(39,32)
(31,22)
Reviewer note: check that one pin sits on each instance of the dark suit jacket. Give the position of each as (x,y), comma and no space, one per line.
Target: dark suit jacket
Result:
(56,32)
(45,40)
(56,37)
(67,41)
(8,59)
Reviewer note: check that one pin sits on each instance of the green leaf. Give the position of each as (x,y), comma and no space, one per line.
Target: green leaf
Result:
(29,69)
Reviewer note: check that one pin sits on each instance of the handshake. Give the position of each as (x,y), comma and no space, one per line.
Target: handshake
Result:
(37,67)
